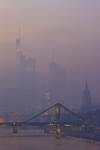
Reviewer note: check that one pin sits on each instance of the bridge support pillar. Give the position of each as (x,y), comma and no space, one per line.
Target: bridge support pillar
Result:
(58,119)
(15,129)
(58,112)
(46,130)
(58,132)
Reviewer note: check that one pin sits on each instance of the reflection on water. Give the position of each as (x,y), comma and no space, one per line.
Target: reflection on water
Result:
(26,141)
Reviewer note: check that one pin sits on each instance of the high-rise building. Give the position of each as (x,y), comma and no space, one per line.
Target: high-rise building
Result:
(23,96)
(57,83)
(26,82)
(86,99)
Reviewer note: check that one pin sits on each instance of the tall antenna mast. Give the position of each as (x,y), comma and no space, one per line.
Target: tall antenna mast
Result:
(53,55)
(19,32)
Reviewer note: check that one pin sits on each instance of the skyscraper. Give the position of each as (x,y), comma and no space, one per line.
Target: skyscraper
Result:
(26,82)
(19,55)
(86,99)
(57,82)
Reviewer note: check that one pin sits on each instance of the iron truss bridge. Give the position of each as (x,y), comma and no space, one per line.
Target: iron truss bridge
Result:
(61,119)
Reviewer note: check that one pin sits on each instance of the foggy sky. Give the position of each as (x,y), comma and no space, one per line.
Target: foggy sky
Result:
(67,29)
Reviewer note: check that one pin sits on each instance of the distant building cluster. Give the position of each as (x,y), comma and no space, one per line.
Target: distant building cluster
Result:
(29,87)
(31,94)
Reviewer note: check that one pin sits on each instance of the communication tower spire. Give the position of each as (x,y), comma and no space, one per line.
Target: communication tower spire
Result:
(18,41)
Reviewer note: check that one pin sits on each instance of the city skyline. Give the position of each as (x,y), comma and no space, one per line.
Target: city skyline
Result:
(50,74)
(68,29)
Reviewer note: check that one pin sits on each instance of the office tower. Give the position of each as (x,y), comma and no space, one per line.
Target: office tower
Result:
(86,99)
(57,83)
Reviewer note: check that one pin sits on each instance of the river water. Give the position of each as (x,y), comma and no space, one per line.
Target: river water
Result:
(33,140)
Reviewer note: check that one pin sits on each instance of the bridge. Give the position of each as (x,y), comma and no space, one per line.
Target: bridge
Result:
(61,120)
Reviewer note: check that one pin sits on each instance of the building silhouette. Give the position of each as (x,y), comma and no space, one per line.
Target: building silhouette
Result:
(57,82)
(26,79)
(86,99)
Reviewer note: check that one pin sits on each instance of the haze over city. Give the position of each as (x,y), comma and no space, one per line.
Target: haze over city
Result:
(62,31)
(49,74)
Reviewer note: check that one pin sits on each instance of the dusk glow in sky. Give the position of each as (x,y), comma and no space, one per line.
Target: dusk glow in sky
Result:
(68,28)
